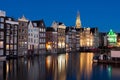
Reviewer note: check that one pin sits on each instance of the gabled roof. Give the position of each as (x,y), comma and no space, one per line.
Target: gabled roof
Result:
(38,23)
(23,19)
(111,32)
(93,30)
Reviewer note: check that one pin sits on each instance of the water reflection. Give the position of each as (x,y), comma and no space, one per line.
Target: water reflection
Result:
(69,66)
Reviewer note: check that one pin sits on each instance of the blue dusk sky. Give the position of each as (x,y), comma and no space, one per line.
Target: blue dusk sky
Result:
(104,14)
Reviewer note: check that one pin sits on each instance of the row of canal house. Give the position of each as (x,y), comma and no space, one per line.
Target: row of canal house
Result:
(31,37)
(8,35)
(21,37)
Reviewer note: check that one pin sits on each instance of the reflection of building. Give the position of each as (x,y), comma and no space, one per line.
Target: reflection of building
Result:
(60,29)
(8,35)
(86,64)
(112,38)
(62,67)
(23,36)
(51,40)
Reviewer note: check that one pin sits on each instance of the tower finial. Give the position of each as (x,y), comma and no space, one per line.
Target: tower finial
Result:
(78,21)
(23,19)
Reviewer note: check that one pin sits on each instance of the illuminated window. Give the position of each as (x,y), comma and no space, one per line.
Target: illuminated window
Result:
(7,47)
(1,44)
(112,38)
(11,46)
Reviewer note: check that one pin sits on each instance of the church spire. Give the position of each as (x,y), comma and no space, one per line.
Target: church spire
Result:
(78,21)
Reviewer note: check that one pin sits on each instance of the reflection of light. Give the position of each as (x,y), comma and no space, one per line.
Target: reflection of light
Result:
(7,67)
(48,61)
(7,70)
(61,62)
(109,71)
(28,64)
(67,56)
(61,67)
(86,63)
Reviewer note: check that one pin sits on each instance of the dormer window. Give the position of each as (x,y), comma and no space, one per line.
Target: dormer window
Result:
(1,19)
(35,24)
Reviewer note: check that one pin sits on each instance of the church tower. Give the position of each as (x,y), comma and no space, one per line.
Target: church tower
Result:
(78,21)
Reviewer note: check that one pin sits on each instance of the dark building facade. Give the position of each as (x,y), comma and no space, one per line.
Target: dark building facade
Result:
(51,40)
(71,39)
(8,36)
(60,29)
(23,37)
(36,37)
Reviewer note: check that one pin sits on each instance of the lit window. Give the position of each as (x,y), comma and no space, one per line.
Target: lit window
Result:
(11,47)
(1,44)
(7,47)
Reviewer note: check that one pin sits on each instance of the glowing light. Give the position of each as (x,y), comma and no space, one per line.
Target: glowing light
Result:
(48,61)
(49,46)
(7,46)
(59,44)
(61,62)
(7,67)
(112,38)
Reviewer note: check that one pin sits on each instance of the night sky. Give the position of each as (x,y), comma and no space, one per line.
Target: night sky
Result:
(104,14)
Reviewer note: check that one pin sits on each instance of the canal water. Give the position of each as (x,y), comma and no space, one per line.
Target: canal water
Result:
(69,66)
